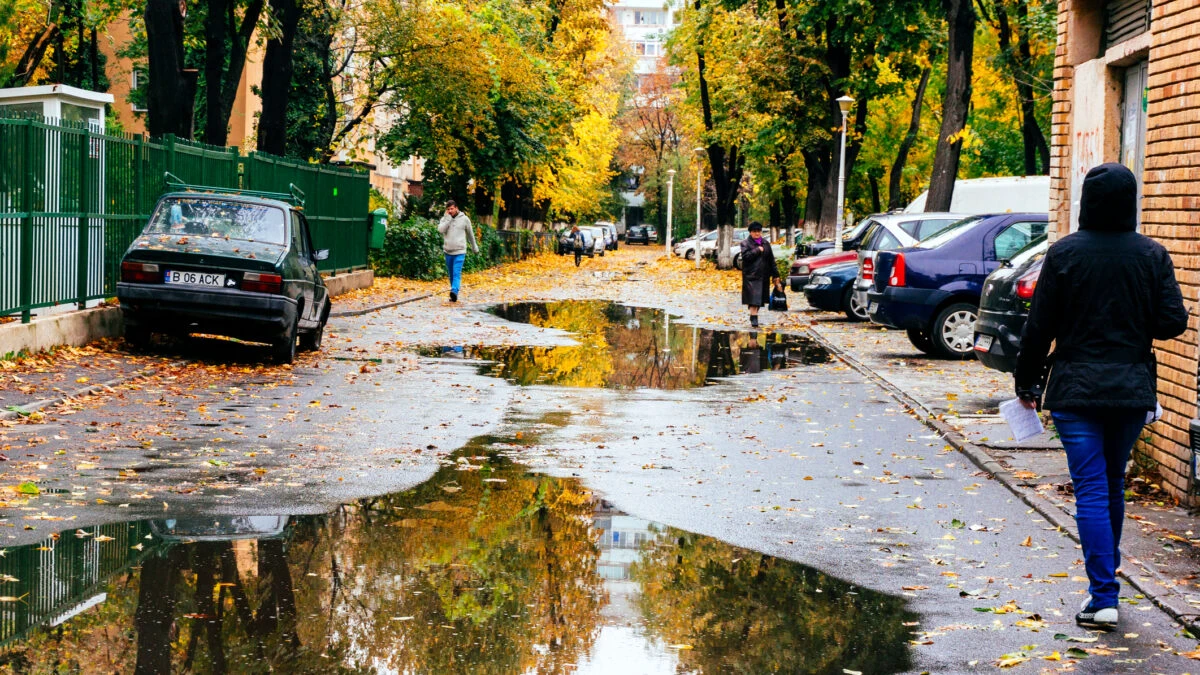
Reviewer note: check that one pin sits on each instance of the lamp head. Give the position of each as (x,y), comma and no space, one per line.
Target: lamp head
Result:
(845,103)
(700,151)
(671,172)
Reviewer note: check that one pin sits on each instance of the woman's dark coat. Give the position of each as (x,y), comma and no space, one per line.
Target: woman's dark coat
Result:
(1104,295)
(758,269)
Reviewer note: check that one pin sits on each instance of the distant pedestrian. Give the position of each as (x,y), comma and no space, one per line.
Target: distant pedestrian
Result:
(578,241)
(1104,295)
(758,272)
(457,232)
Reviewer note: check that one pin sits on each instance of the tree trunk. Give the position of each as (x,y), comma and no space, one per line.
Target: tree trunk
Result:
(277,79)
(1031,131)
(31,58)
(155,612)
(814,201)
(216,124)
(910,139)
(956,105)
(876,206)
(170,93)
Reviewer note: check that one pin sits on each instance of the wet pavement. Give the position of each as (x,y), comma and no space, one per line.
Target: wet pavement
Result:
(373,510)
(485,568)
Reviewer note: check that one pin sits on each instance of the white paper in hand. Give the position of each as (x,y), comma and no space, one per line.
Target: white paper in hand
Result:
(1023,422)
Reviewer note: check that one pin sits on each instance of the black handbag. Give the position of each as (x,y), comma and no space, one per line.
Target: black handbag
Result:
(778,301)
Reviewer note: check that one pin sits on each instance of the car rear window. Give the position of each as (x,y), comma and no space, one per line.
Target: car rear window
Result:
(219,218)
(950,233)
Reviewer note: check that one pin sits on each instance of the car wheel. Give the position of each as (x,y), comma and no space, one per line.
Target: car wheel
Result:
(953,333)
(920,340)
(690,254)
(854,310)
(311,341)
(737,261)
(137,338)
(284,350)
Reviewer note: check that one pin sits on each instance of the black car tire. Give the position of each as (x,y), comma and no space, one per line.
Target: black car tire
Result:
(920,340)
(953,331)
(853,310)
(737,261)
(137,338)
(284,350)
(690,254)
(311,341)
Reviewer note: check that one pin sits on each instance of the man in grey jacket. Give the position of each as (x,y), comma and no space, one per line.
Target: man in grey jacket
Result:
(457,232)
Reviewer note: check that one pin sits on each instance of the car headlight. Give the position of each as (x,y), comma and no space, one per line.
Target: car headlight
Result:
(820,281)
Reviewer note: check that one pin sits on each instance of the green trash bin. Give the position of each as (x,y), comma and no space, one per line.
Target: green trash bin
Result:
(378,228)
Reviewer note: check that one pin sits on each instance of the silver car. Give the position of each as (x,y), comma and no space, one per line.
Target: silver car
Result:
(599,238)
(889,232)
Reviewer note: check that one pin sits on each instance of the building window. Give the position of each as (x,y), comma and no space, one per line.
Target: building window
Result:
(1133,121)
(646,48)
(137,79)
(649,17)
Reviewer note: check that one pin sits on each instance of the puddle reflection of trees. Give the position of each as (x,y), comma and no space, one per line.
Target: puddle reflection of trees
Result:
(627,347)
(488,570)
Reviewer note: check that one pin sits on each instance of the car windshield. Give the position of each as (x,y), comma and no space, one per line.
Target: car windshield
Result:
(951,233)
(858,229)
(1032,250)
(219,218)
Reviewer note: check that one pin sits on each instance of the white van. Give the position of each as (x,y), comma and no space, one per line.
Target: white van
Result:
(1007,194)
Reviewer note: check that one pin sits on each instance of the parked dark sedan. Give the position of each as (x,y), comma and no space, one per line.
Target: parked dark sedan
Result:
(641,234)
(832,289)
(225,264)
(932,290)
(1004,307)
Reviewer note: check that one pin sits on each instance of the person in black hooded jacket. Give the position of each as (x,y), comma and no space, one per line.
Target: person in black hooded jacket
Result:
(1104,295)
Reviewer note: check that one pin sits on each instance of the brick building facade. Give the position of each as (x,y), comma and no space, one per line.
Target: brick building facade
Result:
(1127,89)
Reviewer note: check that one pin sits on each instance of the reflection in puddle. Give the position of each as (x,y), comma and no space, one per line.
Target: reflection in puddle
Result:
(624,347)
(485,568)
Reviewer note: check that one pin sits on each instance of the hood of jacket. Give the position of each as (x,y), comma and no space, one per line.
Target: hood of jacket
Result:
(1109,200)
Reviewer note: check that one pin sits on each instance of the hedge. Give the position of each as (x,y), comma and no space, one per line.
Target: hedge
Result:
(413,249)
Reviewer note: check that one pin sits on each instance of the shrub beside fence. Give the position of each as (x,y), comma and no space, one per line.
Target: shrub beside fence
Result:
(72,200)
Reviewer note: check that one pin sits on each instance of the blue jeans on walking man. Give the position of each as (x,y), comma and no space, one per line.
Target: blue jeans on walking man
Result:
(454,265)
(1098,442)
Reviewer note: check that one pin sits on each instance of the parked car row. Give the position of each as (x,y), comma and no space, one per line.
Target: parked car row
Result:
(928,274)
(598,238)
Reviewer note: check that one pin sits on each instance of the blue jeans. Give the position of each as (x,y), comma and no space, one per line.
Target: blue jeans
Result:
(454,265)
(1098,442)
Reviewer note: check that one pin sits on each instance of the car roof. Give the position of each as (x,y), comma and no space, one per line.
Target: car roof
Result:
(216,196)
(898,217)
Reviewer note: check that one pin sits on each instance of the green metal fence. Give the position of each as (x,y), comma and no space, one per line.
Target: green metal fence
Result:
(72,200)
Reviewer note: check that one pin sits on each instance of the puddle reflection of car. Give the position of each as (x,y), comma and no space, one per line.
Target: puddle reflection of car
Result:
(219,528)
(225,264)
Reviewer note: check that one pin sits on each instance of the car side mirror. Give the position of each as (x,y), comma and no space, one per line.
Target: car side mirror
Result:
(323,254)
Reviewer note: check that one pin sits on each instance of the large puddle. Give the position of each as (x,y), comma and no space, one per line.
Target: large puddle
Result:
(485,568)
(626,347)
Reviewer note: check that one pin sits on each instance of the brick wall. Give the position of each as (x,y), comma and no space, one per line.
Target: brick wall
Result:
(1171,205)
(1169,212)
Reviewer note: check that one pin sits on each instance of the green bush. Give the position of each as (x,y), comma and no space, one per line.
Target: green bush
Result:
(785,267)
(411,249)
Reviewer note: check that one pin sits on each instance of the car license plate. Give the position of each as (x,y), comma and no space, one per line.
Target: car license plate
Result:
(983,343)
(872,308)
(194,278)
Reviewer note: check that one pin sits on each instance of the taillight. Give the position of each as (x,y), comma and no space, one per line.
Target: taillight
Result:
(262,283)
(140,273)
(1028,283)
(868,270)
(897,278)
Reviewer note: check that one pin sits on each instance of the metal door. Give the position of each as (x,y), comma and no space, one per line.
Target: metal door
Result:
(1133,123)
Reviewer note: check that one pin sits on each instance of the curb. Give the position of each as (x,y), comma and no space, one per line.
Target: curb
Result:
(376,308)
(1169,602)
(35,406)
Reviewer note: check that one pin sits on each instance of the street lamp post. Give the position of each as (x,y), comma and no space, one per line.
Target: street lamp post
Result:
(670,203)
(844,103)
(699,175)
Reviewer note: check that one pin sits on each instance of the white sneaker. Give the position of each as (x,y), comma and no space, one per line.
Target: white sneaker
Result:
(1104,619)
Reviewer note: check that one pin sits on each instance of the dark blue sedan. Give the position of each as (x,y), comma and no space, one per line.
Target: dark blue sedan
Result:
(832,289)
(932,289)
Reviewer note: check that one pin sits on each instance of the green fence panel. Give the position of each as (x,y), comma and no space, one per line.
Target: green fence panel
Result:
(72,201)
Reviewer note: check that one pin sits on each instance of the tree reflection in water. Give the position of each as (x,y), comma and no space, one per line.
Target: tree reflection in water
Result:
(485,568)
(625,347)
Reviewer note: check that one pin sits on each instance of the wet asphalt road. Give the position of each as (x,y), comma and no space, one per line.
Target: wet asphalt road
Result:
(813,464)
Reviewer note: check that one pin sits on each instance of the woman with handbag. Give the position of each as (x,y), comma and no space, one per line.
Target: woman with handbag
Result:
(758,272)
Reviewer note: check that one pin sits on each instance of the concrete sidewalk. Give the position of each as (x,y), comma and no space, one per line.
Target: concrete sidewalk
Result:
(959,399)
